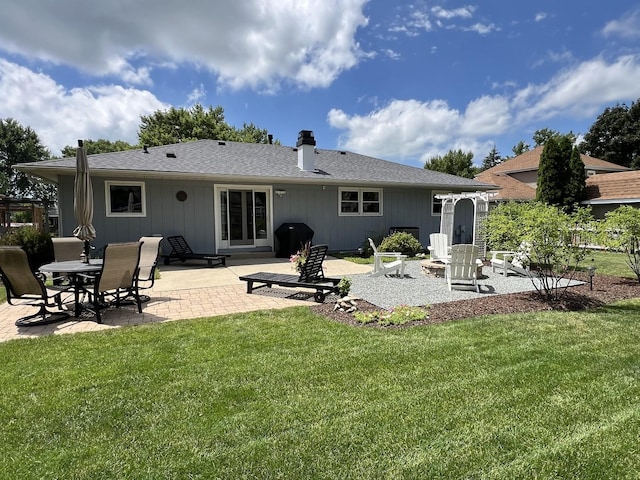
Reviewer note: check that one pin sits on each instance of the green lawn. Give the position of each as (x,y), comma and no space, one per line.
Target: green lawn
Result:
(286,394)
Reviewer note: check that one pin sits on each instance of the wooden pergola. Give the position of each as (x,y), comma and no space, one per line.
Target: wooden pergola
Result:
(9,206)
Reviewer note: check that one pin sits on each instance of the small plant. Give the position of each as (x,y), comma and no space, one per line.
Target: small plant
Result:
(299,258)
(344,286)
(402,242)
(400,315)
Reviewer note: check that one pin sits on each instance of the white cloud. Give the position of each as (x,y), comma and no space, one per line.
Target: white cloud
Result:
(393,55)
(61,116)
(582,90)
(482,28)
(196,94)
(252,43)
(408,129)
(463,12)
(412,129)
(540,16)
(628,26)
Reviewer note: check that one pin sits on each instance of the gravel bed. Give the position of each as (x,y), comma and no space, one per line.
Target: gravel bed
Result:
(418,289)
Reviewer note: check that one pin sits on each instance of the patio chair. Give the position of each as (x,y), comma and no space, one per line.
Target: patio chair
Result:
(180,250)
(510,261)
(148,263)
(22,283)
(439,247)
(382,268)
(462,266)
(65,249)
(117,279)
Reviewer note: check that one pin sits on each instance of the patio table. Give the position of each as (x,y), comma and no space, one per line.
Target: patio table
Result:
(74,269)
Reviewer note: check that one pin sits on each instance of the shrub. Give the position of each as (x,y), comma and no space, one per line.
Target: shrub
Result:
(36,243)
(551,241)
(621,231)
(402,242)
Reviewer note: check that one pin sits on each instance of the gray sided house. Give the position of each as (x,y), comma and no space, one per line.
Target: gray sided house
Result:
(231,197)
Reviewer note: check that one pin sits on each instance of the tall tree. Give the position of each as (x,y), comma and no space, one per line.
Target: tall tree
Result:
(615,136)
(455,162)
(553,171)
(195,123)
(576,184)
(91,147)
(20,144)
(520,148)
(542,136)
(491,160)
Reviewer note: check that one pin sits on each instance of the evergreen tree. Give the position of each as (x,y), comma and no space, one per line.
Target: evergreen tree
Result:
(575,189)
(491,160)
(553,171)
(520,148)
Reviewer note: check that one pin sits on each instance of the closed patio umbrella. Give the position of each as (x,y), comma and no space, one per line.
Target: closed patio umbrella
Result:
(83,200)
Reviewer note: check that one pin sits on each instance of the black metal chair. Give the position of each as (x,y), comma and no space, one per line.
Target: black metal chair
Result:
(23,284)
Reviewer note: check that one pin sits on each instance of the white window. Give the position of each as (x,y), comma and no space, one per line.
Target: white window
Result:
(125,199)
(359,201)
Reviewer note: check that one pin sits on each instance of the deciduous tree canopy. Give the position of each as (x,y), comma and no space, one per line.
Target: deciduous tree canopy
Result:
(195,123)
(615,136)
(455,162)
(92,147)
(21,145)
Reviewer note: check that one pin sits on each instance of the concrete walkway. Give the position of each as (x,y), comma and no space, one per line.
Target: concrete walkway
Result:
(183,292)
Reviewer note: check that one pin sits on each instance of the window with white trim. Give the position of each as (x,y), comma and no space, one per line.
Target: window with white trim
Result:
(359,201)
(436,203)
(125,199)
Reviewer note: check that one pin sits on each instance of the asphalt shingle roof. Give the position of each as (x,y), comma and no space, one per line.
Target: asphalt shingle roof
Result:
(531,159)
(212,159)
(613,186)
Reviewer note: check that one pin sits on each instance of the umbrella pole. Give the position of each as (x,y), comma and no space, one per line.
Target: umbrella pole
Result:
(87,251)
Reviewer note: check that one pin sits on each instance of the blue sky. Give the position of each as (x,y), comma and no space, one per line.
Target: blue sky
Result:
(403,81)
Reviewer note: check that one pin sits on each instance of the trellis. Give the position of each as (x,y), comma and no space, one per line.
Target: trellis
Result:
(480,211)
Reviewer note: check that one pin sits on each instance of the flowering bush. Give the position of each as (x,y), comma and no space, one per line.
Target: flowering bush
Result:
(398,316)
(300,257)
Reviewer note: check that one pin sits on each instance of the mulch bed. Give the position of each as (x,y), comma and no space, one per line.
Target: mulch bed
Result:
(606,289)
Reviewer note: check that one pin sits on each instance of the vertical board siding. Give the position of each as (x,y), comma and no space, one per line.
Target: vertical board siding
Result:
(195,217)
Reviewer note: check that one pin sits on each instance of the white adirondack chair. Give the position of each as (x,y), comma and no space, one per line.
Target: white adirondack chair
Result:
(381,268)
(438,250)
(462,267)
(510,262)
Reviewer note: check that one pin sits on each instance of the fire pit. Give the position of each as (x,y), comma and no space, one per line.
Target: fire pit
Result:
(432,268)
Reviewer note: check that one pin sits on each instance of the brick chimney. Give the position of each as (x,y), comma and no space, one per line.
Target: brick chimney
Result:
(306,150)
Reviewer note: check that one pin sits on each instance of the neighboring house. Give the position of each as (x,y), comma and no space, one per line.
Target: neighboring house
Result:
(518,177)
(231,197)
(607,192)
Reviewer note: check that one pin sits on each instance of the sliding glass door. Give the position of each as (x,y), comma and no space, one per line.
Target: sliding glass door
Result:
(244,216)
